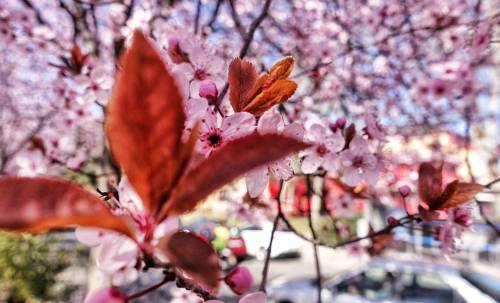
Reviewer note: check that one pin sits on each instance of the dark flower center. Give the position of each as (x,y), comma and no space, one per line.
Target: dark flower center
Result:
(200,74)
(214,139)
(357,161)
(321,150)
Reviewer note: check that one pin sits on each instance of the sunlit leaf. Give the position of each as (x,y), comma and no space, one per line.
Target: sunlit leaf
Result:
(270,89)
(430,183)
(241,77)
(40,204)
(379,242)
(279,92)
(227,163)
(144,123)
(193,256)
(457,193)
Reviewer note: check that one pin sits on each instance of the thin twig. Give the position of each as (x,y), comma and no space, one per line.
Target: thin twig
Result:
(246,43)
(315,237)
(197,17)
(265,270)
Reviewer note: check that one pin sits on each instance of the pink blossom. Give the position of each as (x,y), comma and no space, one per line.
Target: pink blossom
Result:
(180,295)
(240,280)
(358,163)
(255,297)
(257,179)
(480,40)
(213,136)
(97,85)
(343,206)
(107,295)
(462,216)
(324,151)
(118,257)
(373,128)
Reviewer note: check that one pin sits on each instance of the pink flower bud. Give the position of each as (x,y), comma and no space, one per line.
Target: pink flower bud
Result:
(340,123)
(239,280)
(392,221)
(404,191)
(462,217)
(208,90)
(107,295)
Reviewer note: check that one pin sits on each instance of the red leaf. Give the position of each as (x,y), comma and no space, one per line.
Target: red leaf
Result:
(457,193)
(226,164)
(430,183)
(144,123)
(192,255)
(41,204)
(256,95)
(241,77)
(379,242)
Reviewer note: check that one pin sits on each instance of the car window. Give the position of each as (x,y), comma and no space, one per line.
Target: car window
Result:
(427,288)
(373,284)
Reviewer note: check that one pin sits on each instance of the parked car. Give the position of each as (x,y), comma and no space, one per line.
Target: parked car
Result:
(385,281)
(285,243)
(486,283)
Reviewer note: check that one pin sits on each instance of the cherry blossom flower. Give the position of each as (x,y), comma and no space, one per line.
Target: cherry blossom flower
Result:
(212,136)
(343,206)
(373,128)
(257,179)
(180,295)
(325,150)
(97,85)
(358,163)
(255,297)
(119,255)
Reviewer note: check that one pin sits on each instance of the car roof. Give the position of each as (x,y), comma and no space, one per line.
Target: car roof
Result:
(413,265)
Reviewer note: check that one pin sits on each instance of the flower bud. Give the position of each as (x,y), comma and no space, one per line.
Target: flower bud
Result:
(107,295)
(404,191)
(392,221)
(239,280)
(208,90)
(340,123)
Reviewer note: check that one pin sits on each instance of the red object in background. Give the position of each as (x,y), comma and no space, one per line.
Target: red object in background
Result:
(274,188)
(300,200)
(237,246)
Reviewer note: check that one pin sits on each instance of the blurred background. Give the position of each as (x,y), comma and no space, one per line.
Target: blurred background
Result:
(427,69)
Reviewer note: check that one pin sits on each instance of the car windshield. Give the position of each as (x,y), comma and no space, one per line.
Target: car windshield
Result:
(486,283)
(380,284)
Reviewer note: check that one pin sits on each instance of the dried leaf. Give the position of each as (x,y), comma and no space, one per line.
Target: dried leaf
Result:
(225,164)
(241,77)
(457,193)
(430,182)
(144,123)
(192,255)
(40,204)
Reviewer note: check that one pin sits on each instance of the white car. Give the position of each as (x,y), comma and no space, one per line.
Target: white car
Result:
(385,281)
(285,243)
